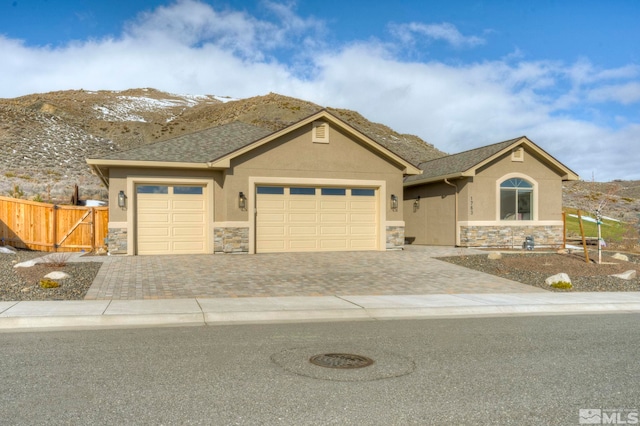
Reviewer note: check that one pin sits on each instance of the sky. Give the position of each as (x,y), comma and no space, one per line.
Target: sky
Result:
(460,74)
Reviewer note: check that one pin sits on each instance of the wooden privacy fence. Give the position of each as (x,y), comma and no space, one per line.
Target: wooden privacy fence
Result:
(52,227)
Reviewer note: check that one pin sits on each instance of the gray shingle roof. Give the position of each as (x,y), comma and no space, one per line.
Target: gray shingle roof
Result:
(458,163)
(199,147)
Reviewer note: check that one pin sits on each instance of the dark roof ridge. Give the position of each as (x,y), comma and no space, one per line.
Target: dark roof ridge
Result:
(473,149)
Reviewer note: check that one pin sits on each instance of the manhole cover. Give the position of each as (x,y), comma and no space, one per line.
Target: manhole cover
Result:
(338,360)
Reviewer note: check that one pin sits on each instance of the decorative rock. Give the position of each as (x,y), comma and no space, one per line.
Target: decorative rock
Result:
(57,275)
(496,255)
(8,250)
(619,256)
(101,251)
(563,251)
(628,275)
(27,264)
(561,277)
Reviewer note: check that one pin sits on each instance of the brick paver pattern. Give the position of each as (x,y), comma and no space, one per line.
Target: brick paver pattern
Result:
(408,272)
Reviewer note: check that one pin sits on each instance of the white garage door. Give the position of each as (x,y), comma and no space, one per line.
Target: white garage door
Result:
(171,219)
(291,219)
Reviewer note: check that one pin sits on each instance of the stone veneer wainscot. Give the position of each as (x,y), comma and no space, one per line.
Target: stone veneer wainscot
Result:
(231,240)
(395,237)
(510,236)
(117,240)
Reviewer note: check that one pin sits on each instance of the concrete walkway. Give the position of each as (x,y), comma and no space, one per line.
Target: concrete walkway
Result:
(82,314)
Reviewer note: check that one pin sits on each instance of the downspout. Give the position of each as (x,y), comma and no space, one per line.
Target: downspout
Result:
(457,234)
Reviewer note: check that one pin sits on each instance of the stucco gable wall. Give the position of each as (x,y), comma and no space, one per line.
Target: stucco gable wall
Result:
(482,193)
(294,155)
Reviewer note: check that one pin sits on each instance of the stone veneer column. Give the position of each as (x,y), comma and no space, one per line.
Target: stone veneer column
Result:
(117,241)
(231,240)
(395,237)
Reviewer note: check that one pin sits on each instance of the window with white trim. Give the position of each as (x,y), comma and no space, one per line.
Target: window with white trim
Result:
(516,199)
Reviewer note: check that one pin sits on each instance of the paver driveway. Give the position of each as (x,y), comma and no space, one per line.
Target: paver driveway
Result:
(409,272)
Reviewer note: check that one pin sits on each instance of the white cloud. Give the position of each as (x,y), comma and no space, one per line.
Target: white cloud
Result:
(445,31)
(190,47)
(622,93)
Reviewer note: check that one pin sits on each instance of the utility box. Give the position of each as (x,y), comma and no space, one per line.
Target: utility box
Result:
(529,243)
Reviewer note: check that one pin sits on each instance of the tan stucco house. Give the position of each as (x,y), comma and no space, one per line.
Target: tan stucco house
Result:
(493,196)
(317,185)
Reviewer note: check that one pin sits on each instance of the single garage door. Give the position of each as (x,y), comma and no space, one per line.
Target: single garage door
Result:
(171,219)
(291,219)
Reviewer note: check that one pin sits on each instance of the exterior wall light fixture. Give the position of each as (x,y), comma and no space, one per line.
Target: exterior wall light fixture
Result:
(242,201)
(122,200)
(394,202)
(416,204)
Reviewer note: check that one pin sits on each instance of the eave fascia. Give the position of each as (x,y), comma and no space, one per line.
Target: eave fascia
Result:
(439,178)
(147,164)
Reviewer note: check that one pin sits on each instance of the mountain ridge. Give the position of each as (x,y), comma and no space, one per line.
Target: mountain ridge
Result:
(47,136)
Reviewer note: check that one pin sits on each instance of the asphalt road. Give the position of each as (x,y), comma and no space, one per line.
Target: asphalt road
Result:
(509,370)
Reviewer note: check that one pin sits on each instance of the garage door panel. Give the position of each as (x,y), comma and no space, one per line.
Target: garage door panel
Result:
(303,244)
(303,218)
(268,231)
(270,245)
(362,230)
(362,205)
(302,205)
(153,232)
(272,217)
(333,244)
(333,230)
(150,204)
(369,244)
(333,218)
(362,218)
(153,218)
(303,230)
(188,232)
(270,204)
(187,246)
(154,247)
(179,218)
(197,205)
(333,205)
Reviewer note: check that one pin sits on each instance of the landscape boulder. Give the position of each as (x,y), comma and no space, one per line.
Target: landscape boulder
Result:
(8,250)
(495,255)
(627,275)
(619,256)
(557,278)
(57,275)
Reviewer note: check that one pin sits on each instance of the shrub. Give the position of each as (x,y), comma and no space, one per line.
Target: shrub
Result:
(47,283)
(562,285)
(58,259)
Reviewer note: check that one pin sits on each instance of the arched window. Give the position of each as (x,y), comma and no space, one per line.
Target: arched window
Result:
(516,199)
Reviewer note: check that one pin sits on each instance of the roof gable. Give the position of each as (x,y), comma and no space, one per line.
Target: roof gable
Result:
(468,162)
(408,168)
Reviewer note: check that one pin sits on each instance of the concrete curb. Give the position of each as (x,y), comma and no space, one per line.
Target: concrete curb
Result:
(95,314)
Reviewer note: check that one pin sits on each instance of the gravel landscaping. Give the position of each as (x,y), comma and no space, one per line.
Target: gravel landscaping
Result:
(533,268)
(18,284)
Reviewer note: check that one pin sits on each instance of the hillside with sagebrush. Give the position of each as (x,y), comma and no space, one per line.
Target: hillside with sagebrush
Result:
(46,137)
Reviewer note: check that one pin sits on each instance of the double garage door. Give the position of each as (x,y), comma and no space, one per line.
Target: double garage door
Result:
(171,219)
(291,219)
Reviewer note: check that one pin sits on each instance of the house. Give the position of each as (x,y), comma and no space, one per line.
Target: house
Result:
(317,185)
(493,196)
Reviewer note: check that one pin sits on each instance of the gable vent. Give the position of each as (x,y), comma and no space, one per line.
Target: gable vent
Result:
(517,154)
(320,132)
